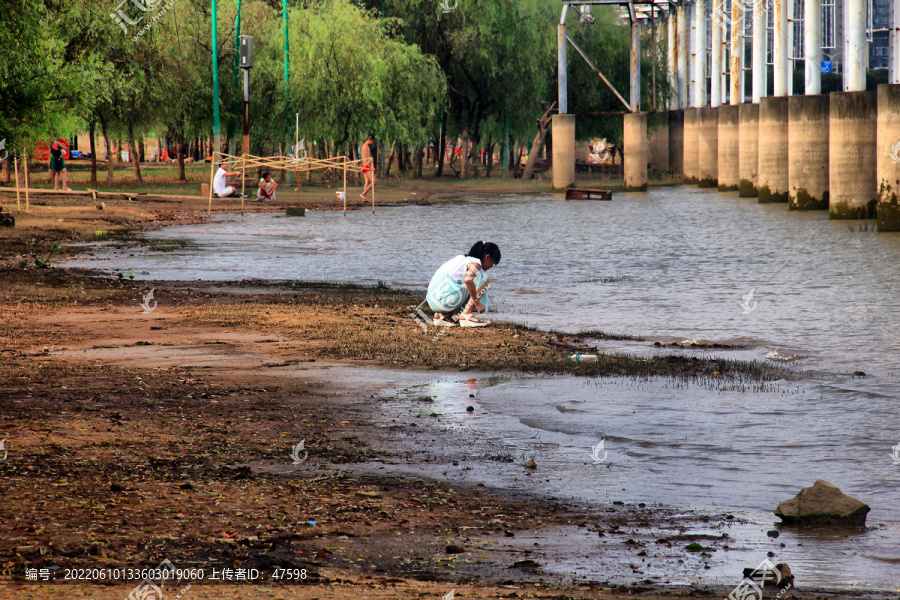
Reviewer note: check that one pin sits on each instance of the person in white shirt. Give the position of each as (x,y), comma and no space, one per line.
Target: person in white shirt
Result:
(461,283)
(267,187)
(220,184)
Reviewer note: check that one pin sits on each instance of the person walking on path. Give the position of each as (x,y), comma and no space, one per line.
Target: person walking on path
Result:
(368,169)
(58,167)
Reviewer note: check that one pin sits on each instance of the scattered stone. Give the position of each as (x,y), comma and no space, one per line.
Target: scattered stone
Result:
(859,373)
(454,549)
(115,488)
(186,486)
(822,504)
(7,219)
(782,578)
(773,533)
(530,464)
(470,409)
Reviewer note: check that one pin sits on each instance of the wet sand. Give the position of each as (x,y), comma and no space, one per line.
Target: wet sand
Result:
(139,436)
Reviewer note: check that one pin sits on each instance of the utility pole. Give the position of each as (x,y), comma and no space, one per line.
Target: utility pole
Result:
(235,80)
(246,65)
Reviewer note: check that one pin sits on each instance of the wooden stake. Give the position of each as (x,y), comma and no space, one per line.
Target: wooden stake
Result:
(345,186)
(25,163)
(18,199)
(212,178)
(243,181)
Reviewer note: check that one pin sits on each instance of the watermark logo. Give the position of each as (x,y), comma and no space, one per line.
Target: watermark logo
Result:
(447,8)
(151,588)
(6,452)
(749,304)
(123,20)
(751,587)
(295,453)
(6,154)
(595,453)
(146,303)
(895,153)
(298,150)
(895,454)
(450,595)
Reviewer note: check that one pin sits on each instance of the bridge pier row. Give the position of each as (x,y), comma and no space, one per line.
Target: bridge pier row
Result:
(772,184)
(691,159)
(636,152)
(808,152)
(563,154)
(676,142)
(748,153)
(708,159)
(852,150)
(658,134)
(888,161)
(728,148)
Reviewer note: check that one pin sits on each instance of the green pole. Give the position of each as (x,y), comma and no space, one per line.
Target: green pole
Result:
(287,93)
(217,131)
(506,137)
(235,80)
(287,62)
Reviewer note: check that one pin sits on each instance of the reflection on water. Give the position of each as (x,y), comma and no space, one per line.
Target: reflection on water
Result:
(670,265)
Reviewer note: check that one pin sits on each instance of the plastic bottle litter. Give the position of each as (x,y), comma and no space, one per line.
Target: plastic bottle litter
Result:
(583,357)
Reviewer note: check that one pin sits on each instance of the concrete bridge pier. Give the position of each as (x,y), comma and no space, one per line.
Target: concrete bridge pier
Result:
(748,153)
(636,152)
(852,150)
(888,162)
(691,145)
(728,148)
(772,184)
(708,158)
(658,140)
(808,152)
(676,141)
(563,151)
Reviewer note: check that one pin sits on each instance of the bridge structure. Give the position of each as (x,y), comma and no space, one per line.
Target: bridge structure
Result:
(736,117)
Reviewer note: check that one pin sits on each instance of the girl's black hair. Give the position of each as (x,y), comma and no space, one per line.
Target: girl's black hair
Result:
(481,248)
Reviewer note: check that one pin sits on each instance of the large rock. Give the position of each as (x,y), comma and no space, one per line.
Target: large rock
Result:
(822,504)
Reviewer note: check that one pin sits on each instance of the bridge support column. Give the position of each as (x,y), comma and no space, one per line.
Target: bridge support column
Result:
(676,142)
(748,153)
(808,152)
(563,151)
(658,133)
(691,145)
(636,150)
(773,149)
(708,127)
(852,160)
(888,157)
(728,148)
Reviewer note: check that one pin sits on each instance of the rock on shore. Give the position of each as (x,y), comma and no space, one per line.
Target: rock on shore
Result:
(822,504)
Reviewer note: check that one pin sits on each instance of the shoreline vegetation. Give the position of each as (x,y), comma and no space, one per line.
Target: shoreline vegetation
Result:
(139,436)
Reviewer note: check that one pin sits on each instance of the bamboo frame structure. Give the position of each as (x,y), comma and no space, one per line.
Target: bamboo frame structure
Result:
(287,163)
(18,197)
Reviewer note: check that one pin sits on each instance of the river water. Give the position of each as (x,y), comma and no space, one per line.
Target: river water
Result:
(819,296)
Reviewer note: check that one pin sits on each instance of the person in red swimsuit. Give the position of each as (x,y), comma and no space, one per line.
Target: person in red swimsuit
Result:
(367,170)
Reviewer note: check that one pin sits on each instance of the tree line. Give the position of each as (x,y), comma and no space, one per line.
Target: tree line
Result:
(408,71)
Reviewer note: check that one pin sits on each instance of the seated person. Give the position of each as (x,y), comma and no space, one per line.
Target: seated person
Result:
(220,186)
(267,187)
